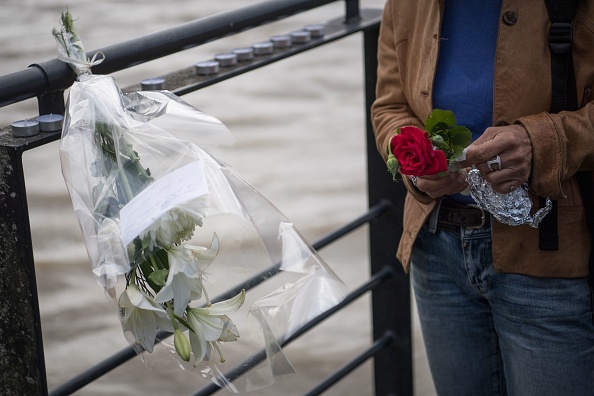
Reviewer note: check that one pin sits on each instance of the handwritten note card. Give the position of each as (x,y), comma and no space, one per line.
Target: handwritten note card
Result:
(179,186)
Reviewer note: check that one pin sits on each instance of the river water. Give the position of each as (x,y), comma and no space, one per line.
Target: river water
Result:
(299,131)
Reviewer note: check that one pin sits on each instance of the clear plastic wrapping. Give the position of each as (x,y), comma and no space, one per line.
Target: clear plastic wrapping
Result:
(180,242)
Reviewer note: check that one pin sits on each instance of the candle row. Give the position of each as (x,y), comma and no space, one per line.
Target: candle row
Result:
(246,54)
(43,123)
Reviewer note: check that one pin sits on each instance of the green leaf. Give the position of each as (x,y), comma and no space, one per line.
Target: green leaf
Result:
(460,136)
(457,153)
(159,277)
(438,116)
(441,128)
(183,322)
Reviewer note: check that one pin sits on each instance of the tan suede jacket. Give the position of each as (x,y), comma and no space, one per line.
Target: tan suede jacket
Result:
(562,143)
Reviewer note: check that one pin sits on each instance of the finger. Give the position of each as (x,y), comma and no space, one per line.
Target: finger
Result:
(510,170)
(430,182)
(507,186)
(491,165)
(437,176)
(453,188)
(503,181)
(450,183)
(480,154)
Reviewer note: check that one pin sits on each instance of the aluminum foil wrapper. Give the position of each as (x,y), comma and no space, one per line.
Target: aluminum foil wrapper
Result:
(512,209)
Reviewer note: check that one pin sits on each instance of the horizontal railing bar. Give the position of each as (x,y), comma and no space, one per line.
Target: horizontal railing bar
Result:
(335,30)
(375,280)
(95,372)
(186,80)
(377,347)
(257,279)
(55,75)
(128,353)
(373,213)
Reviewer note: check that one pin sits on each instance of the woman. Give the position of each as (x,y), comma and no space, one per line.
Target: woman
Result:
(498,314)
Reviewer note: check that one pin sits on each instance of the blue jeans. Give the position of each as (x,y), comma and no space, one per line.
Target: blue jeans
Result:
(488,333)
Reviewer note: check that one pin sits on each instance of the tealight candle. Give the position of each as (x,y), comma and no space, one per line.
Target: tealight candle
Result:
(244,54)
(23,128)
(281,41)
(50,122)
(301,36)
(315,30)
(263,48)
(152,84)
(207,67)
(226,59)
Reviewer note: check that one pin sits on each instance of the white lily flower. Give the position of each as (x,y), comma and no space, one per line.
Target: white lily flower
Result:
(141,316)
(230,332)
(184,282)
(203,256)
(211,325)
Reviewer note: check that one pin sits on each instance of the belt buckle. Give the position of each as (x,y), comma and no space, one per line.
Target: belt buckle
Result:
(483,217)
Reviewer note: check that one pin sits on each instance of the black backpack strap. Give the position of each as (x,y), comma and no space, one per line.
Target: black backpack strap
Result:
(564,97)
(586,184)
(564,92)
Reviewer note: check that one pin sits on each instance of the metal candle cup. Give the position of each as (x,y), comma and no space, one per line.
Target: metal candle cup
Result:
(24,128)
(226,59)
(244,54)
(315,30)
(263,48)
(153,84)
(50,122)
(207,68)
(301,36)
(281,41)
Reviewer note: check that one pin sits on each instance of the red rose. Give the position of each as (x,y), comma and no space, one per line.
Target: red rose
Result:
(415,154)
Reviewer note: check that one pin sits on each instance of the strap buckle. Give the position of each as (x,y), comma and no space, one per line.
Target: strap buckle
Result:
(560,37)
(483,217)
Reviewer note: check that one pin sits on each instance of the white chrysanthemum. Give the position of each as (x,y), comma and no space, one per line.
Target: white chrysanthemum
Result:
(174,227)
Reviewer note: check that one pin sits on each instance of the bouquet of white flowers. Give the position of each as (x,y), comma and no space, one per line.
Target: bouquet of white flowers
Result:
(167,227)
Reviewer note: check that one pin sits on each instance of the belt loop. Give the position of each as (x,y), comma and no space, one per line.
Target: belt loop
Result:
(434,217)
(483,216)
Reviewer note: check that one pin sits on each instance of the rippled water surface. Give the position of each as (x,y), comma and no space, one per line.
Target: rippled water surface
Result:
(299,139)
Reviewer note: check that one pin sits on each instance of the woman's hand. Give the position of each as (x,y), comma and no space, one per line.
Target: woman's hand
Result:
(509,146)
(439,185)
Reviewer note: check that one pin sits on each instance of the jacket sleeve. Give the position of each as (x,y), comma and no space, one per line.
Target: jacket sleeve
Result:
(562,144)
(391,110)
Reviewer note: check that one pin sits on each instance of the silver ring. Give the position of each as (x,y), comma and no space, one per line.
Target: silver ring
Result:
(497,161)
(414,179)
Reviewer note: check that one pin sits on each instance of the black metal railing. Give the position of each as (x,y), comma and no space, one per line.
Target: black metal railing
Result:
(22,366)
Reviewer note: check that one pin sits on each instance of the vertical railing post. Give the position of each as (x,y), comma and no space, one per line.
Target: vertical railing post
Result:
(22,366)
(352,10)
(51,102)
(391,301)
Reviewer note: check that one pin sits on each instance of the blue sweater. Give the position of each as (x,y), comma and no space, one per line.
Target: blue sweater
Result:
(464,77)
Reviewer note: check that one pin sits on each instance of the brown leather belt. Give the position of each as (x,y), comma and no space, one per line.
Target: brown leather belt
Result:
(453,215)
